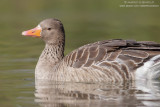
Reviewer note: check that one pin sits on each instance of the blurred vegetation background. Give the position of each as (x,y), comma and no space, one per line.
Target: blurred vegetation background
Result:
(85,21)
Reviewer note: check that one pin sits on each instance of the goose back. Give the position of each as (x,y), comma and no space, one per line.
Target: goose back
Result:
(109,60)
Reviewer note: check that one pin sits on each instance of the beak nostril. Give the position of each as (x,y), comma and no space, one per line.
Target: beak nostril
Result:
(33,31)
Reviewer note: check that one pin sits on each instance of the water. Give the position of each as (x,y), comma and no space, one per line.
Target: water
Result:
(84,22)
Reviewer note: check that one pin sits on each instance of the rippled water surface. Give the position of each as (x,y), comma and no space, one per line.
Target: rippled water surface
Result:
(84,22)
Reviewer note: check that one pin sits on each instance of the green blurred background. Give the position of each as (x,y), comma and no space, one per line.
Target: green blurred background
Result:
(85,21)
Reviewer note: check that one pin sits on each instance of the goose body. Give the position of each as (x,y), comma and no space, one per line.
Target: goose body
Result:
(108,60)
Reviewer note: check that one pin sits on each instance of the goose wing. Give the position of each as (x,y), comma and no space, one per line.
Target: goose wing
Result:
(131,52)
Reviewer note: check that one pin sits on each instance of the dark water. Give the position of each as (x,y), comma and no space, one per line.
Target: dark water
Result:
(84,22)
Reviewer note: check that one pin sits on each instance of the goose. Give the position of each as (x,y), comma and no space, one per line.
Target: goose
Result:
(114,60)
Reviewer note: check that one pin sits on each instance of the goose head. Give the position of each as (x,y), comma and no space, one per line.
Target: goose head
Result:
(50,30)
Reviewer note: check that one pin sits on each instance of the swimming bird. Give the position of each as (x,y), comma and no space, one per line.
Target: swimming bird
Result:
(103,61)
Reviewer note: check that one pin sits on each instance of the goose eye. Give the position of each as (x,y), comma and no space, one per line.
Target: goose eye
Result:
(48,28)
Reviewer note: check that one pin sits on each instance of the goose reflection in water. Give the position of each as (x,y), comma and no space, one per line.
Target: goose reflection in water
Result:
(65,94)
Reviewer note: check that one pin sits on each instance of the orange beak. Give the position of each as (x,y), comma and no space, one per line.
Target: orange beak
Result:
(36,32)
